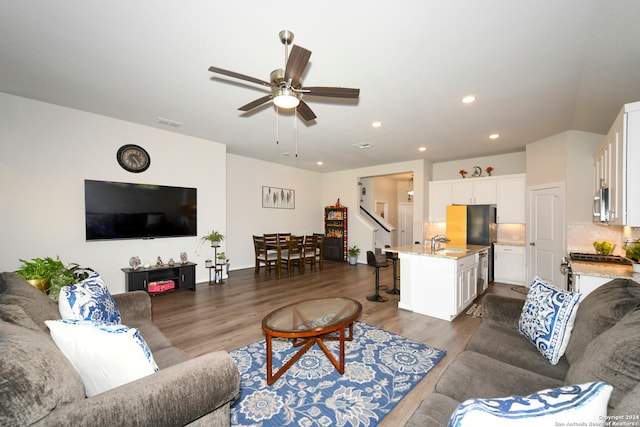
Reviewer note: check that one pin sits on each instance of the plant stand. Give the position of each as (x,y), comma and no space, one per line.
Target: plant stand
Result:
(217,269)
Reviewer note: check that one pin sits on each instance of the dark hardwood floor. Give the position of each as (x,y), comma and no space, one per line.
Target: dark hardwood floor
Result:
(229,316)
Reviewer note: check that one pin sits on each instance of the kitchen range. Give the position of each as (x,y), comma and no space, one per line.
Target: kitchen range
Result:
(588,271)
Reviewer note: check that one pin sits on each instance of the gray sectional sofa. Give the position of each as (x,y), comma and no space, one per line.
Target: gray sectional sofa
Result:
(499,362)
(38,385)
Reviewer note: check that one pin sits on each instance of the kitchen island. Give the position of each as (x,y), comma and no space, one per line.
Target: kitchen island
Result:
(439,283)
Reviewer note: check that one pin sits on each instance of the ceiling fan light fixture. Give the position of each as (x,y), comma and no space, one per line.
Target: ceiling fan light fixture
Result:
(286,98)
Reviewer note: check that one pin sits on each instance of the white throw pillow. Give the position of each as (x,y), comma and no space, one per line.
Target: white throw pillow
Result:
(88,300)
(576,405)
(105,355)
(547,318)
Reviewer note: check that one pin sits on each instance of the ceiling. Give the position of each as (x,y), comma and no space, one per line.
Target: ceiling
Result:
(537,68)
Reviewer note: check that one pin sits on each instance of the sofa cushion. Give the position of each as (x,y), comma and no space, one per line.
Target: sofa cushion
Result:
(88,300)
(506,344)
(105,355)
(475,375)
(35,377)
(14,290)
(547,318)
(599,311)
(612,357)
(435,410)
(583,404)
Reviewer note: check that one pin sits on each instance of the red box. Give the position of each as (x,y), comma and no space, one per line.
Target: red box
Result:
(161,286)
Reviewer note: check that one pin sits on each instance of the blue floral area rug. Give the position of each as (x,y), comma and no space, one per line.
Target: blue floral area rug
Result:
(380,369)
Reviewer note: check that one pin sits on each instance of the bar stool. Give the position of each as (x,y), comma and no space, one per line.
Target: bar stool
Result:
(372,261)
(393,256)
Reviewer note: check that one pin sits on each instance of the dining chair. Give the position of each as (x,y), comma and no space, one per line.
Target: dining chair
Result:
(262,256)
(293,256)
(319,240)
(309,251)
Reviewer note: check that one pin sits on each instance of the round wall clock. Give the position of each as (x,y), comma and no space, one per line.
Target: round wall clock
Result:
(133,158)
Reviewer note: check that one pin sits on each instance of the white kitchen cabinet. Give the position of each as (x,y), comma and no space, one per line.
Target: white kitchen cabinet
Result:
(474,191)
(615,167)
(586,284)
(509,264)
(436,286)
(466,282)
(511,199)
(439,199)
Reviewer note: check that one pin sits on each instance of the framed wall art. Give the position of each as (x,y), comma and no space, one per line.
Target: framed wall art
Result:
(278,198)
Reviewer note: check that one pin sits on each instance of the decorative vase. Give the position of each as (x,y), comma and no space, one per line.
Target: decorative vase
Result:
(353,260)
(43,284)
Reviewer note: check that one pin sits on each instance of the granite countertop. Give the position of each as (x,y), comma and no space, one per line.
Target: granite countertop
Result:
(445,251)
(504,243)
(603,269)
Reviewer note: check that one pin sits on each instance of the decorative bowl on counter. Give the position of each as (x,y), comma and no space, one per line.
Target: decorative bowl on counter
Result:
(604,248)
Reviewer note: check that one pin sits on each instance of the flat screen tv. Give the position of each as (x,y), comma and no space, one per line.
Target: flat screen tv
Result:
(120,210)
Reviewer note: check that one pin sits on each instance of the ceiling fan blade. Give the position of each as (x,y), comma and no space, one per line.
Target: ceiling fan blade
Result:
(305,111)
(335,92)
(256,103)
(297,62)
(238,76)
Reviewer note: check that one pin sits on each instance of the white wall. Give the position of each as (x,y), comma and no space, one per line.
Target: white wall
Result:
(503,164)
(344,185)
(48,151)
(246,216)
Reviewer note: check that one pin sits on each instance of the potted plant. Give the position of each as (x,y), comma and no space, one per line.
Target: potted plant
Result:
(222,258)
(49,275)
(633,253)
(213,237)
(353,253)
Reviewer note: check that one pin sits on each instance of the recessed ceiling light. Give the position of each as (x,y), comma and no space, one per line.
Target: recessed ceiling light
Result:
(319,163)
(469,99)
(376,124)
(422,149)
(494,136)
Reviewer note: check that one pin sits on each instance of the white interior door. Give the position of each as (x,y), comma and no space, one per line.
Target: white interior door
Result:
(405,223)
(546,234)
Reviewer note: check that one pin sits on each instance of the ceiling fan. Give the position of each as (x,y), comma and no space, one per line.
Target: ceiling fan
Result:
(286,84)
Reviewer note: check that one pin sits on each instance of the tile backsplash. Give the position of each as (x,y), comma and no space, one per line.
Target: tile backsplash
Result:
(580,237)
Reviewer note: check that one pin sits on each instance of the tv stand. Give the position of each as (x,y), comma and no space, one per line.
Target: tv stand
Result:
(183,275)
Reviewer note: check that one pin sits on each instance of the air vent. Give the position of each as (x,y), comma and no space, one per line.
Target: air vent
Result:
(168,122)
(362,145)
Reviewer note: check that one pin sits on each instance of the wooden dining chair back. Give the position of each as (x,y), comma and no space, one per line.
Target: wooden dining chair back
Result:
(309,252)
(293,256)
(262,256)
(319,241)
(271,240)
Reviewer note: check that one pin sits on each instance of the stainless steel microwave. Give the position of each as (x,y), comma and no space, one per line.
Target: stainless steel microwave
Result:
(601,207)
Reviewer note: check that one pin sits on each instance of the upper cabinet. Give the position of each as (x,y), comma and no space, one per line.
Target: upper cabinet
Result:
(510,196)
(479,191)
(616,169)
(507,192)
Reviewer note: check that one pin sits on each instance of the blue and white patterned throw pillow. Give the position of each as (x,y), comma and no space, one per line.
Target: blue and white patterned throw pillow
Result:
(105,355)
(547,318)
(88,300)
(576,405)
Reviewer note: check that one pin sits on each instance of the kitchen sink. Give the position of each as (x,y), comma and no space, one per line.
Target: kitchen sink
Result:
(453,250)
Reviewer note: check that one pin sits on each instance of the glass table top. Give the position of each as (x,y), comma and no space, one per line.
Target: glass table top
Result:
(312,315)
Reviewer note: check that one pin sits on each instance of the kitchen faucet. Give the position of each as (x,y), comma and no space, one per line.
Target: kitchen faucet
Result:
(436,240)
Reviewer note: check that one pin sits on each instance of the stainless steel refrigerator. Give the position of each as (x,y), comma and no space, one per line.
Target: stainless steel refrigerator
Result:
(482,230)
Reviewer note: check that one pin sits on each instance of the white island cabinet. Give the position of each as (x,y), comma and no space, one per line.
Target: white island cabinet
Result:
(440,284)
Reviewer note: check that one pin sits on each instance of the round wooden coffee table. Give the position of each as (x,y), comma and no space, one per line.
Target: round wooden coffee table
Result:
(310,322)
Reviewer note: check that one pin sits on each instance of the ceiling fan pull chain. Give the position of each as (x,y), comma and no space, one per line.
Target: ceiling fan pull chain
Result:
(277,126)
(295,128)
